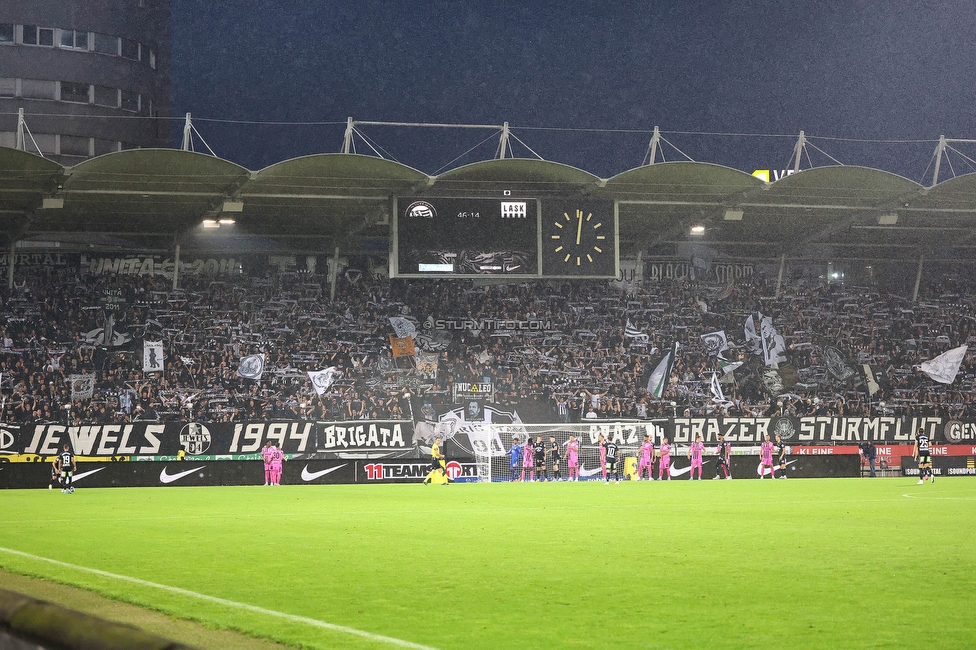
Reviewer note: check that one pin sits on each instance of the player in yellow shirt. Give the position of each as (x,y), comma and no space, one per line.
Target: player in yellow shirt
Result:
(438,465)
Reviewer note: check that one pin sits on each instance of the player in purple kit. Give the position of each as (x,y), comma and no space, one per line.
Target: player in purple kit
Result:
(266,453)
(695,450)
(527,459)
(603,455)
(572,458)
(277,458)
(766,460)
(646,459)
(664,459)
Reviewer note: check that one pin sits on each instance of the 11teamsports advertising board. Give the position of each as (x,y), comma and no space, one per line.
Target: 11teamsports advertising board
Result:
(510,236)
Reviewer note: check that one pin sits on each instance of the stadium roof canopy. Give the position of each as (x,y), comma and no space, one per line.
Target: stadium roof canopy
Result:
(151,199)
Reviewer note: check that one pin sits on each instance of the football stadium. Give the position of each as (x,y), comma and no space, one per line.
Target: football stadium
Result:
(340,402)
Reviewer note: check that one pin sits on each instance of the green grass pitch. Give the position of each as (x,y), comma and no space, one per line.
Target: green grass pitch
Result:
(828,563)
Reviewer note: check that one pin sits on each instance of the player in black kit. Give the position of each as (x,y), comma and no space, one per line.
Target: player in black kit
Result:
(66,461)
(780,450)
(923,454)
(539,455)
(554,458)
(724,465)
(611,448)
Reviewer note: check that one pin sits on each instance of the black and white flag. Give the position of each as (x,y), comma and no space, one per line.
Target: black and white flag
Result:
(82,386)
(753,340)
(152,356)
(322,380)
(632,332)
(715,343)
(773,345)
(403,327)
(718,395)
(252,367)
(944,367)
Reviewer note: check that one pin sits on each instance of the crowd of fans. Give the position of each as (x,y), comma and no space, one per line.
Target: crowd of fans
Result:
(580,364)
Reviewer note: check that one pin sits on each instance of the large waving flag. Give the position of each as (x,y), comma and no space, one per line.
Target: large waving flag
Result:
(252,367)
(753,340)
(658,380)
(718,395)
(944,367)
(322,380)
(403,327)
(632,332)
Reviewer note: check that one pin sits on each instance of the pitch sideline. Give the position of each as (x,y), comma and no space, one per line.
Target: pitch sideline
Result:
(228,603)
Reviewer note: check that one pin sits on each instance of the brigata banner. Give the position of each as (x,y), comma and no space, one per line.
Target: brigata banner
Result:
(212,441)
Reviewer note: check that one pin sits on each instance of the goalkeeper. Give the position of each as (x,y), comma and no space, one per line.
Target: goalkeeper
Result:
(438,465)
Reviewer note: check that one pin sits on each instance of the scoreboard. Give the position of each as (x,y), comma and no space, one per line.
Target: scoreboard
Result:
(516,237)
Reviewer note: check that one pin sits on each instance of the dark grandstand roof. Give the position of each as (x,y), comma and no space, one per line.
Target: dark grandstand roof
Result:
(152,198)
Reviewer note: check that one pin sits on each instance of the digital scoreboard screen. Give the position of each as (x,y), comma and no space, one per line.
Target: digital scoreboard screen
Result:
(466,237)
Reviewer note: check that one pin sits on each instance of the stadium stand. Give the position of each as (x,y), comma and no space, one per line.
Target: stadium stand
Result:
(66,322)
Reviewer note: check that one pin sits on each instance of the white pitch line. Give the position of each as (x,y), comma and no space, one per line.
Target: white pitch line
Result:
(229,603)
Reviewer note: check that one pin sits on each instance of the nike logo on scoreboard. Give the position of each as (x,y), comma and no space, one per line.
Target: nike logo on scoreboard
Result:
(166,478)
(311,476)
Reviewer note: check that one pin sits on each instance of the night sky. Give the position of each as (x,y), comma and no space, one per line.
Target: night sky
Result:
(855,69)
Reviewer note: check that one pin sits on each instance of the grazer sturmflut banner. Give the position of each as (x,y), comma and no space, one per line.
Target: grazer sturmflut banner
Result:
(218,441)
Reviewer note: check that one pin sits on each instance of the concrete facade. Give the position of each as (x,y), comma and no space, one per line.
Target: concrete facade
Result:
(92,76)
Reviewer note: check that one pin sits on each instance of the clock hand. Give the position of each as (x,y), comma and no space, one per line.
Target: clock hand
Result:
(579,228)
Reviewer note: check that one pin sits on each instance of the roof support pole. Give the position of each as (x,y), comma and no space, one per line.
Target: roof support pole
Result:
(187,128)
(333,275)
(652,146)
(639,269)
(176,268)
(801,144)
(10,264)
(918,277)
(779,278)
(347,138)
(503,148)
(939,151)
(20,130)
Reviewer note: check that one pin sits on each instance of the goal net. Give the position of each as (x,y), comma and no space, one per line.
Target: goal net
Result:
(492,442)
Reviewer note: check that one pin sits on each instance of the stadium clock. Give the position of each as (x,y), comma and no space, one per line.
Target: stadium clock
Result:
(579,239)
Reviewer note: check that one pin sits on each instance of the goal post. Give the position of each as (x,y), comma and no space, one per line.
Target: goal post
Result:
(492,443)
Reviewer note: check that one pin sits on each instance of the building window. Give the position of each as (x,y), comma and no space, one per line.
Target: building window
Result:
(74,40)
(8,87)
(130,49)
(46,142)
(105,96)
(6,33)
(73,145)
(34,35)
(152,59)
(72,92)
(38,89)
(130,101)
(105,44)
(105,146)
